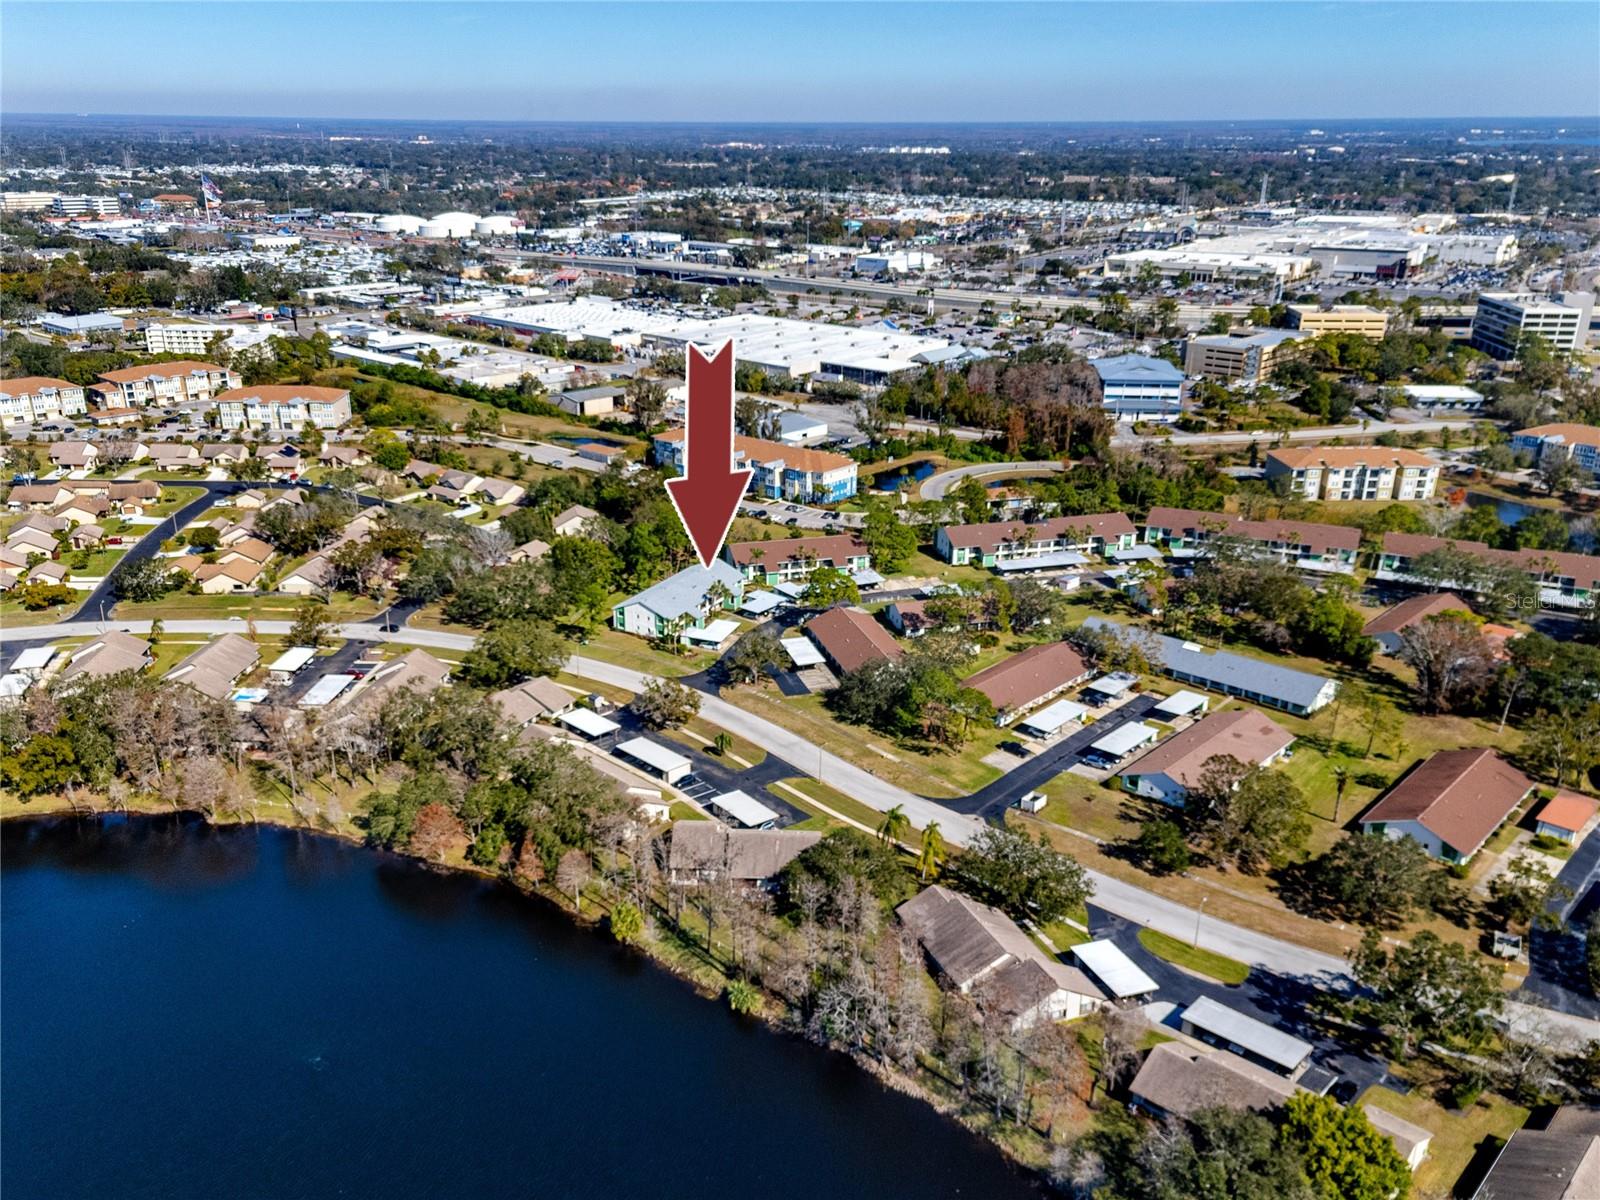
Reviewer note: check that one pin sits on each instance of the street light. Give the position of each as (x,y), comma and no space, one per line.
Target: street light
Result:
(1199,912)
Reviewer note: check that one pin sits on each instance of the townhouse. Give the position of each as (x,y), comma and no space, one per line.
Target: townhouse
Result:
(781,472)
(1353,473)
(1565,580)
(284,408)
(34,398)
(781,561)
(163,384)
(1307,545)
(1016,545)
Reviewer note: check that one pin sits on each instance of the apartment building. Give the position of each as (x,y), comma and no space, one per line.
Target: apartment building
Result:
(85,206)
(781,472)
(39,398)
(1306,545)
(181,337)
(1354,473)
(1565,580)
(1014,545)
(1504,319)
(788,559)
(1246,354)
(1580,444)
(1362,319)
(164,384)
(284,408)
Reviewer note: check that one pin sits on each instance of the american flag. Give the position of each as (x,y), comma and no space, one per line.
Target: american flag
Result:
(212,192)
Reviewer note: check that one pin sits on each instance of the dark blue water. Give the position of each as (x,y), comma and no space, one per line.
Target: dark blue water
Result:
(904,476)
(257,1013)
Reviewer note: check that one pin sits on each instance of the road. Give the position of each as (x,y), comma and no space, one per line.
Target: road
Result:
(1115,896)
(934,487)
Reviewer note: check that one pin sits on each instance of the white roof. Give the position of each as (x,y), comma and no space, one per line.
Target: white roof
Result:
(1119,973)
(1125,738)
(866,578)
(744,808)
(293,659)
(1112,685)
(713,633)
(13,685)
(758,603)
(1247,1033)
(1180,704)
(1048,720)
(802,652)
(34,658)
(587,721)
(1440,391)
(653,754)
(790,589)
(325,690)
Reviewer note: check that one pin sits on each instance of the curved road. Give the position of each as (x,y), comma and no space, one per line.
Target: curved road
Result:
(1114,895)
(934,487)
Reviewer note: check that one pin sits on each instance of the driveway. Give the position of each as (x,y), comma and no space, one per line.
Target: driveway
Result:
(992,799)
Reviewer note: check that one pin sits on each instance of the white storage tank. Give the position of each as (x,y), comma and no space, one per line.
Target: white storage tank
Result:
(449,225)
(397,223)
(498,225)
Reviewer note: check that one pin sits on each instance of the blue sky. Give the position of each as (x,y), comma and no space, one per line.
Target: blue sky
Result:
(799,62)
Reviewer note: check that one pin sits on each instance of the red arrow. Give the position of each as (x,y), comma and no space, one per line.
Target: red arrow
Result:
(708,494)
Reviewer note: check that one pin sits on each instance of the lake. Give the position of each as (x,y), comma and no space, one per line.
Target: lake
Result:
(197,1012)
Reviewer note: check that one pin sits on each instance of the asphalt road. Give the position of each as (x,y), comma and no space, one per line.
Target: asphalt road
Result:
(935,486)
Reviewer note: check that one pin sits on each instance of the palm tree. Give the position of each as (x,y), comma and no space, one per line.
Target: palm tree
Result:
(933,851)
(1341,780)
(895,825)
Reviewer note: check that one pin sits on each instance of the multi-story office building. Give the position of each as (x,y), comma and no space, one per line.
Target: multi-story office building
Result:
(85,206)
(1136,387)
(1369,322)
(164,384)
(1246,354)
(182,337)
(1354,473)
(781,472)
(26,201)
(1578,443)
(284,408)
(1504,319)
(39,398)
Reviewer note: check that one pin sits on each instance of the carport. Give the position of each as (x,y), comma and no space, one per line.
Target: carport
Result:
(655,758)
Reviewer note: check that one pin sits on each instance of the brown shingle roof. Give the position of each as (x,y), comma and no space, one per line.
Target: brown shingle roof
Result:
(835,548)
(212,669)
(1461,796)
(1311,534)
(712,848)
(1583,569)
(1416,608)
(1573,435)
(1028,676)
(32,385)
(989,535)
(160,370)
(1340,457)
(1242,733)
(852,638)
(282,393)
(1181,1080)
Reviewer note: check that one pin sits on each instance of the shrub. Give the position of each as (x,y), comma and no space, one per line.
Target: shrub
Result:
(744,998)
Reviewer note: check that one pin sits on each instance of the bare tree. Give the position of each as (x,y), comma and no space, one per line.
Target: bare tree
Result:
(572,873)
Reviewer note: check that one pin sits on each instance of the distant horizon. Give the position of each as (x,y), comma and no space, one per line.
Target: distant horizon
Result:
(688,62)
(779,122)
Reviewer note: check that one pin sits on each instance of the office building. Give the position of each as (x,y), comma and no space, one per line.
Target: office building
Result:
(26,201)
(1354,473)
(284,408)
(1361,319)
(1246,354)
(1504,319)
(85,206)
(1137,387)
(39,398)
(182,337)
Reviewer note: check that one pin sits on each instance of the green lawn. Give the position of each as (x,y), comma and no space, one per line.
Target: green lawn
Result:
(838,802)
(1203,962)
(100,561)
(679,811)
(272,606)
(1456,1135)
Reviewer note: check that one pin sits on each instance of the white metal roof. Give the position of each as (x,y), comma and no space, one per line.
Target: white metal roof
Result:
(744,808)
(588,722)
(653,754)
(1112,685)
(1247,1033)
(713,633)
(325,690)
(1048,720)
(1041,562)
(13,685)
(1119,973)
(1180,704)
(759,603)
(803,652)
(34,658)
(292,659)
(1124,739)
(790,589)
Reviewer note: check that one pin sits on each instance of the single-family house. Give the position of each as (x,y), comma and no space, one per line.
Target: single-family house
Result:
(84,537)
(532,699)
(573,521)
(529,551)
(1387,626)
(108,654)
(213,669)
(220,578)
(705,851)
(308,579)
